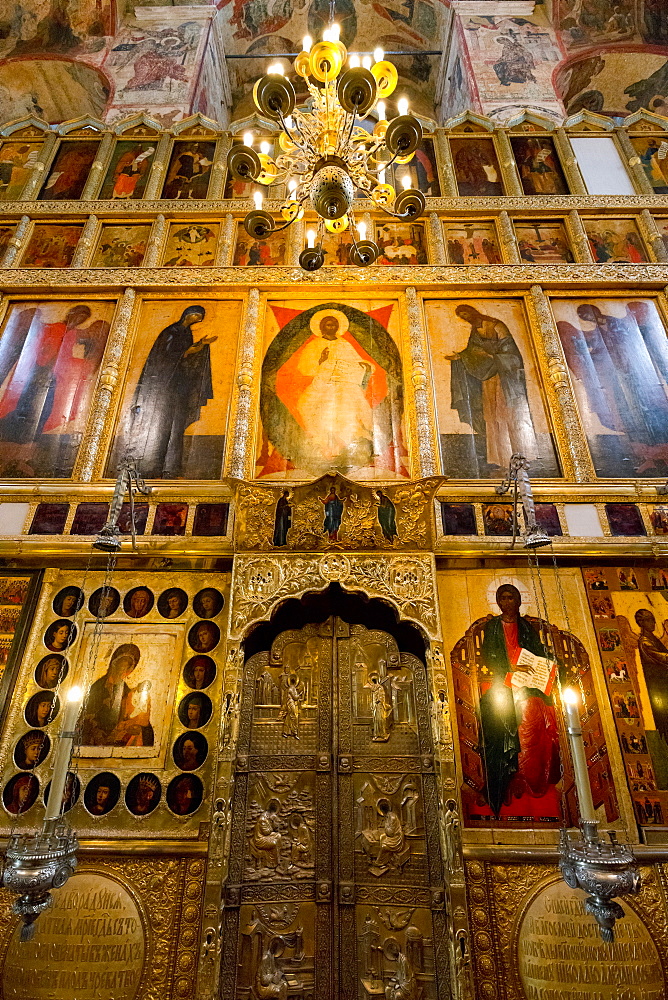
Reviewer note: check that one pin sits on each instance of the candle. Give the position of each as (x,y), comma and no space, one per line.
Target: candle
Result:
(307,43)
(406,181)
(257,198)
(402,105)
(248,139)
(585,800)
(381,175)
(354,61)
(378,55)
(366,62)
(63,753)
(361,229)
(310,238)
(380,108)
(265,148)
(335,32)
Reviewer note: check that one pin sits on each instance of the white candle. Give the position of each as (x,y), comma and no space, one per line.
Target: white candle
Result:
(257,198)
(380,108)
(402,105)
(310,238)
(585,800)
(406,181)
(378,55)
(265,147)
(248,139)
(63,753)
(335,32)
(354,61)
(307,43)
(361,229)
(366,62)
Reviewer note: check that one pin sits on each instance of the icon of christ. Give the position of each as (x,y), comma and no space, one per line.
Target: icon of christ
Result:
(332,396)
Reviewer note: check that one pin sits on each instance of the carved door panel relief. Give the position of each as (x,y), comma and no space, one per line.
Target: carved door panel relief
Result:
(335,887)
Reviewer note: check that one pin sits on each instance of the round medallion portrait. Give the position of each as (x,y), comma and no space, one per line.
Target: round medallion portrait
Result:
(138,602)
(195,710)
(20,793)
(41,709)
(190,751)
(172,603)
(68,601)
(204,636)
(199,672)
(71,791)
(51,670)
(60,635)
(208,603)
(143,794)
(31,750)
(102,793)
(185,794)
(104,601)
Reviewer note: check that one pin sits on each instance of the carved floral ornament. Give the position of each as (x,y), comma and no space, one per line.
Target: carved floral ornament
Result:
(261,583)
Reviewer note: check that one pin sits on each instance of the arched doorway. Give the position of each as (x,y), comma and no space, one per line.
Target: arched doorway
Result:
(335,887)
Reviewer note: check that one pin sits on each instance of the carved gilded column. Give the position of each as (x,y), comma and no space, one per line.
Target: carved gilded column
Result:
(446,168)
(435,239)
(296,242)
(43,161)
(94,180)
(226,241)
(509,249)
(569,163)
(652,235)
(219,168)
(241,457)
(640,178)
(118,337)
(426,430)
(572,441)
(155,242)
(507,161)
(15,244)
(579,239)
(84,246)
(158,168)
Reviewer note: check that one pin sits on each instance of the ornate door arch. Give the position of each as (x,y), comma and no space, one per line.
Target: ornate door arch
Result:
(335,886)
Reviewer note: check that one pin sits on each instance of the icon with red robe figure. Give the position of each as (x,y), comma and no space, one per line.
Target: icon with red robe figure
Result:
(49,358)
(332,395)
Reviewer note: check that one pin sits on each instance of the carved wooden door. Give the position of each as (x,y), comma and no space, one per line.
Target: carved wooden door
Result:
(335,886)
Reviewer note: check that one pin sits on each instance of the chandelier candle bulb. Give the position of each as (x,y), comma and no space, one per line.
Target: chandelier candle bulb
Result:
(335,32)
(406,181)
(366,62)
(354,62)
(265,147)
(378,55)
(248,139)
(310,238)
(585,800)
(402,105)
(361,229)
(380,108)
(257,198)
(292,185)
(62,760)
(307,42)
(381,175)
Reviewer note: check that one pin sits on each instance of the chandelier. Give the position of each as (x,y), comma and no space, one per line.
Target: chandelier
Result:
(326,154)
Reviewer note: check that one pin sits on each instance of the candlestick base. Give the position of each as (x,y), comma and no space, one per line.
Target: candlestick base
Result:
(601,869)
(35,864)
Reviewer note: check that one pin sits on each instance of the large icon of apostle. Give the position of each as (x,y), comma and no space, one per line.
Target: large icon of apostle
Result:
(49,357)
(519,724)
(332,396)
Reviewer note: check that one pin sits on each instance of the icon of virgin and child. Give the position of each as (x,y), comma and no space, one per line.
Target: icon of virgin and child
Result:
(332,395)
(116,714)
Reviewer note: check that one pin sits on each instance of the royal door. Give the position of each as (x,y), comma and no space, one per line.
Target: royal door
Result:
(335,887)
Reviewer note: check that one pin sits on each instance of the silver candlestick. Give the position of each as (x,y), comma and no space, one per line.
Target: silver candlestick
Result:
(604,870)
